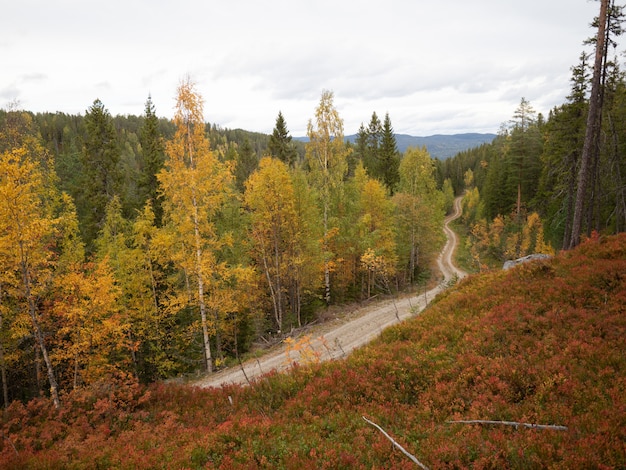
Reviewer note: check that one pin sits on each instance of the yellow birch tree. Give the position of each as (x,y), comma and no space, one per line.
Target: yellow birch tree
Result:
(26,230)
(270,197)
(194,184)
(327,154)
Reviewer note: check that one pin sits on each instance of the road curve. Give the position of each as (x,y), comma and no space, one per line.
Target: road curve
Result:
(445,261)
(339,337)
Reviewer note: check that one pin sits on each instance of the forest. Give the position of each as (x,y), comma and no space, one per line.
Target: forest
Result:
(157,248)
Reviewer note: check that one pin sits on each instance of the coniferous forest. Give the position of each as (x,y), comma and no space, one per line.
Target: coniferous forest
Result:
(135,249)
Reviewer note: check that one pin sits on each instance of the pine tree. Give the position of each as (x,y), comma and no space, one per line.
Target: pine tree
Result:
(594,117)
(280,145)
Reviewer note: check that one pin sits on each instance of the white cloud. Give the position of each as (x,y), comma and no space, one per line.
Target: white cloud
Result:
(451,66)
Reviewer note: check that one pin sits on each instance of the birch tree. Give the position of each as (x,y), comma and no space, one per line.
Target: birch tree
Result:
(26,230)
(326,154)
(194,185)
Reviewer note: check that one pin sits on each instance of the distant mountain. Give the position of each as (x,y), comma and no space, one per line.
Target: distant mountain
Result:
(443,146)
(439,146)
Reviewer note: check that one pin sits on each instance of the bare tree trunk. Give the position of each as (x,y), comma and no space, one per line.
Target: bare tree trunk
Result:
(3,365)
(32,310)
(593,123)
(203,316)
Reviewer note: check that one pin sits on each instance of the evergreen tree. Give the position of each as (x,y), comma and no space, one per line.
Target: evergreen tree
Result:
(388,158)
(101,177)
(280,145)
(151,160)
(594,117)
(561,155)
(360,150)
(246,163)
(523,154)
(370,158)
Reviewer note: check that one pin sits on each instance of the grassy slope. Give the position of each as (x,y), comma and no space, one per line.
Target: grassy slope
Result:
(544,343)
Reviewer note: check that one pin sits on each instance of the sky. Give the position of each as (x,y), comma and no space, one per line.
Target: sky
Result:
(437,67)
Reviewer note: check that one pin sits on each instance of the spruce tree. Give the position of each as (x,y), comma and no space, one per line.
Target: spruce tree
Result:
(102,177)
(374,134)
(280,145)
(247,162)
(151,160)
(388,157)
(523,154)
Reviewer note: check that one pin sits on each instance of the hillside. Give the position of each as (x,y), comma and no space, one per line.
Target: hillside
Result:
(541,344)
(443,146)
(439,146)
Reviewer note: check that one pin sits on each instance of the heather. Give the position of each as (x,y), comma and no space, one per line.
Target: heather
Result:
(543,343)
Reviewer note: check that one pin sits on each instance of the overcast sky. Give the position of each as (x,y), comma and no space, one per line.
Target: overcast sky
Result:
(435,66)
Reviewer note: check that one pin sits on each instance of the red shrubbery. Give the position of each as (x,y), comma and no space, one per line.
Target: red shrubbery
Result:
(543,343)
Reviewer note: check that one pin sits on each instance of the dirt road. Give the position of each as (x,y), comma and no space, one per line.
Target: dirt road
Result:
(338,338)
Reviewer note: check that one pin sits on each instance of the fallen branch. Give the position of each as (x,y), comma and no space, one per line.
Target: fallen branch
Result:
(511,423)
(409,455)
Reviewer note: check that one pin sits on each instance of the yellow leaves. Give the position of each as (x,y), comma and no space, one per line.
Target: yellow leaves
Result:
(303,349)
(86,307)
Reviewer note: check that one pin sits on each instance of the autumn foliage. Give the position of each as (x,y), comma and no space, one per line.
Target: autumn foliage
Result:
(542,343)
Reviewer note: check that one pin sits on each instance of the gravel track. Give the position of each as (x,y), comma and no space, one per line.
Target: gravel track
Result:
(336,339)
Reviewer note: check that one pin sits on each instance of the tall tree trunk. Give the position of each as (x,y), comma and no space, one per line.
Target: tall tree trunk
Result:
(3,371)
(593,124)
(3,365)
(203,316)
(32,310)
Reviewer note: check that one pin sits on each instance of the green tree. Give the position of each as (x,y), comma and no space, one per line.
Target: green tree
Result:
(246,163)
(101,176)
(564,132)
(371,157)
(151,160)
(280,145)
(388,158)
(420,211)
(523,155)
(592,130)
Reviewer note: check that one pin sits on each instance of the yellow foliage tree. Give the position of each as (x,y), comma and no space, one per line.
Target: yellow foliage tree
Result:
(270,197)
(327,154)
(26,231)
(93,329)
(375,230)
(194,184)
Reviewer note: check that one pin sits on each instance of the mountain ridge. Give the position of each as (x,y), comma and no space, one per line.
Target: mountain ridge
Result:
(439,146)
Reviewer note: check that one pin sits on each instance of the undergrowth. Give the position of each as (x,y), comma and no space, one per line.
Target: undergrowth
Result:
(542,343)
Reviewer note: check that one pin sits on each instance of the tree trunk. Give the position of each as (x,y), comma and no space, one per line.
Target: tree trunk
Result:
(203,317)
(32,310)
(3,365)
(592,130)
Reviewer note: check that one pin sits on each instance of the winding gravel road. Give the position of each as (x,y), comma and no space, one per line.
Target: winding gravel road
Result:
(339,337)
